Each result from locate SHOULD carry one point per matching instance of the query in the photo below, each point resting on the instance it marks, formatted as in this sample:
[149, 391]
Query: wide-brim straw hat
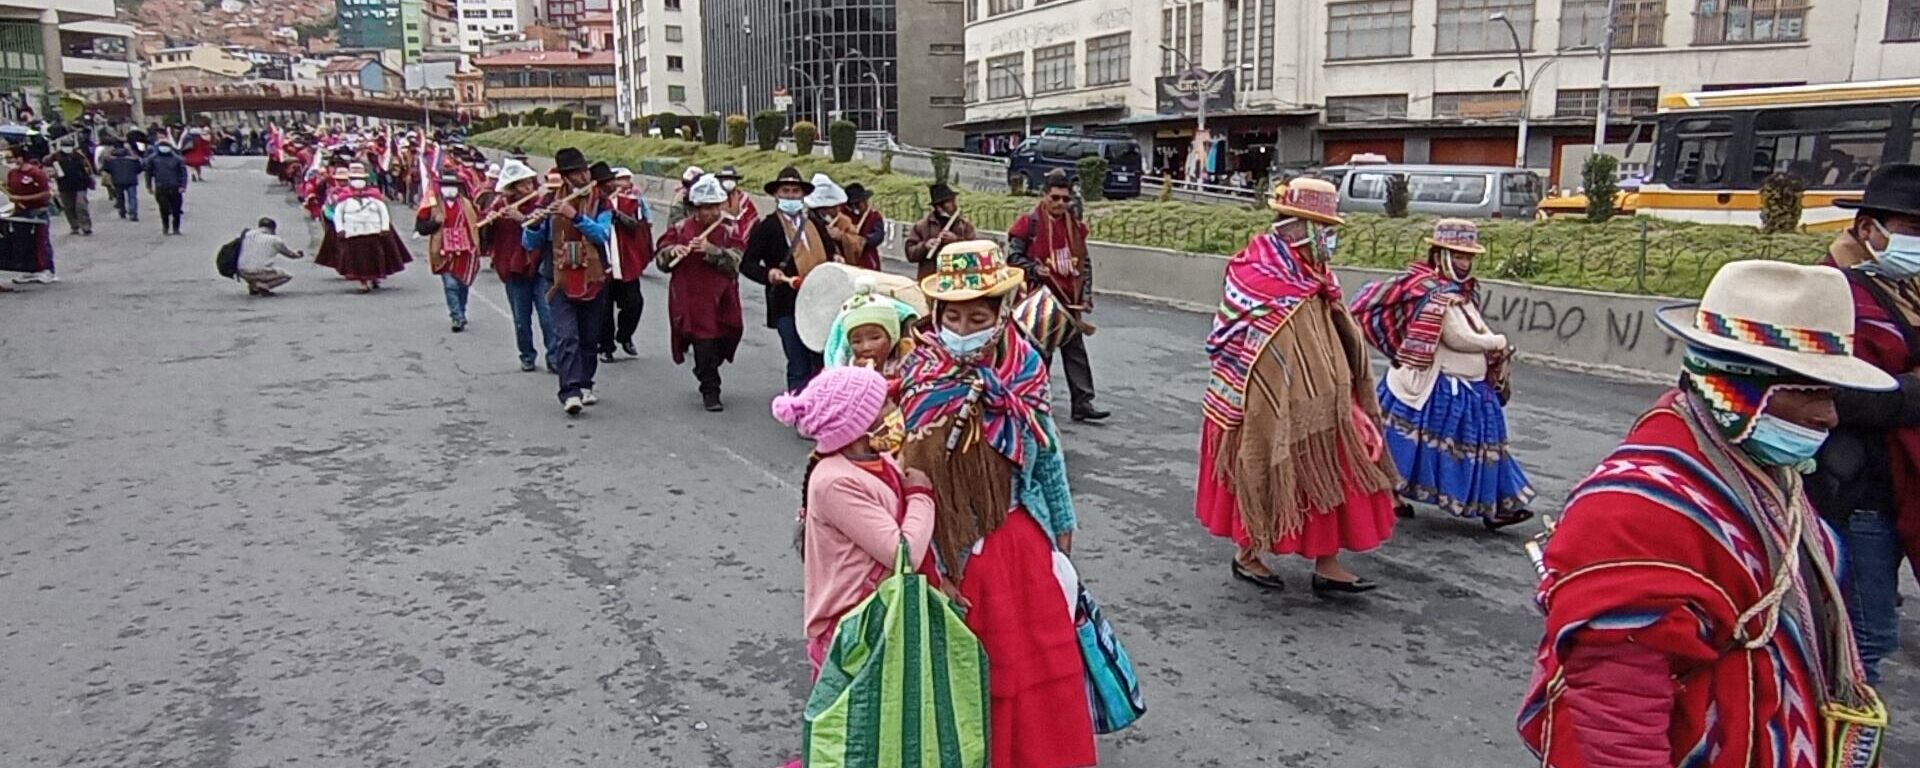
[1798, 318]
[1315, 200]
[1458, 235]
[972, 269]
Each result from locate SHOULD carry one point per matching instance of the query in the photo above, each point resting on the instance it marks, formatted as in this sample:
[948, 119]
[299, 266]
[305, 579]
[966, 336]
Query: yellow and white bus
[1713, 149]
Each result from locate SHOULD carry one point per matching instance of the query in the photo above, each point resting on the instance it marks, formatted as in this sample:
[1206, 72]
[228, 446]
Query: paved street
[322, 530]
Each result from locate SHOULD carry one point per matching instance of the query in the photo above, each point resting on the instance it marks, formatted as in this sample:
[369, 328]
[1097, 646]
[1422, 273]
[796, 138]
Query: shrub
[1602, 178]
[561, 118]
[886, 161]
[942, 167]
[537, 116]
[841, 135]
[804, 132]
[1780, 197]
[766, 129]
[737, 130]
[668, 123]
[638, 126]
[1016, 184]
[710, 129]
[1399, 196]
[1093, 177]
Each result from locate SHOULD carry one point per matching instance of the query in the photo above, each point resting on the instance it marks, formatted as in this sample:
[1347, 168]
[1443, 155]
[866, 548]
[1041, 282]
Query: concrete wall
[922, 74]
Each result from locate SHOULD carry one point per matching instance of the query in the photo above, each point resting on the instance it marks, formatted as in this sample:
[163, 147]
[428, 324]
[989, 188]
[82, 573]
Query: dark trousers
[1073, 357]
[126, 201]
[170, 200]
[575, 325]
[707, 358]
[802, 363]
[624, 305]
[79, 218]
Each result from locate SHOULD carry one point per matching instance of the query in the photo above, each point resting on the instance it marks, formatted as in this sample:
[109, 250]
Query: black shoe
[627, 347]
[1090, 413]
[606, 357]
[1269, 582]
[459, 325]
[1403, 511]
[712, 403]
[1325, 586]
[552, 369]
[1506, 519]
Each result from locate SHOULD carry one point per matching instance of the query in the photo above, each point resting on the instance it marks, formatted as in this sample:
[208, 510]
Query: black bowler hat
[727, 172]
[857, 193]
[569, 159]
[601, 172]
[1895, 189]
[941, 193]
[452, 179]
[790, 175]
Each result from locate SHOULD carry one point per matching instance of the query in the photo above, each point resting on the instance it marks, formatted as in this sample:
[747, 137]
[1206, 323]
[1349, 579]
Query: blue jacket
[166, 171]
[122, 168]
[539, 237]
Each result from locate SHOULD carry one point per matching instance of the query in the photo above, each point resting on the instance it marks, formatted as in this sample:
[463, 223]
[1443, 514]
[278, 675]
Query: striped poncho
[1401, 317]
[1265, 283]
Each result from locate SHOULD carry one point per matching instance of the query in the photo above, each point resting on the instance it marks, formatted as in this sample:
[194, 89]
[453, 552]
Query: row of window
[481, 13]
[676, 94]
[674, 64]
[1368, 29]
[1484, 105]
[1106, 61]
[549, 79]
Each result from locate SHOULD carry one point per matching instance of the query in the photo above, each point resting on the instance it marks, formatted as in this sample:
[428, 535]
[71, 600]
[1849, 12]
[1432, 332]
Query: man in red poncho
[633, 241]
[1050, 243]
[1868, 483]
[703, 255]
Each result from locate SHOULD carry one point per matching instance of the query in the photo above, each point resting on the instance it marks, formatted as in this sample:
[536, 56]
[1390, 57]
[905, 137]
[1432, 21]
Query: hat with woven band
[972, 269]
[1457, 235]
[1310, 199]
[1797, 318]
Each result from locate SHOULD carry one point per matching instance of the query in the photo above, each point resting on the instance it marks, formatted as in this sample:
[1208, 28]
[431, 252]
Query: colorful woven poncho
[1401, 317]
[1013, 392]
[1266, 282]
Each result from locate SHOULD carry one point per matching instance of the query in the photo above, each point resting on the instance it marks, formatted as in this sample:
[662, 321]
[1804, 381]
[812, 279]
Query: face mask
[357, 183]
[791, 207]
[1776, 442]
[967, 345]
[165, 150]
[1900, 260]
[729, 184]
[449, 192]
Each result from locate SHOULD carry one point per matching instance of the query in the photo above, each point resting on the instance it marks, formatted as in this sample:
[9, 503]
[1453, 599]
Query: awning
[1153, 119]
[1039, 116]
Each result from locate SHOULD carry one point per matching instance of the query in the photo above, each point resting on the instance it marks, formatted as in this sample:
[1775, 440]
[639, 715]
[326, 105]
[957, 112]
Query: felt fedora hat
[727, 172]
[1894, 189]
[941, 193]
[857, 192]
[601, 171]
[789, 175]
[1798, 318]
[569, 159]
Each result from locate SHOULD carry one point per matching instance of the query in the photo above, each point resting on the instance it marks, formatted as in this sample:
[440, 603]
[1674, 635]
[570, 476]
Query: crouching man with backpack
[260, 250]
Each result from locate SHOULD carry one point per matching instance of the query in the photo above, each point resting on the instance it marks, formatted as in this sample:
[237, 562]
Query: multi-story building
[370, 24]
[657, 48]
[59, 44]
[196, 65]
[566, 14]
[581, 81]
[1413, 80]
[482, 20]
[745, 54]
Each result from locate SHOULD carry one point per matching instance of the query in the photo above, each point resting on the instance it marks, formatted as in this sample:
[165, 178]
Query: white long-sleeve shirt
[1462, 355]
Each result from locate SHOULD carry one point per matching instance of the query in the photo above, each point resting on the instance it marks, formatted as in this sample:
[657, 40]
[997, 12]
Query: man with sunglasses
[1050, 243]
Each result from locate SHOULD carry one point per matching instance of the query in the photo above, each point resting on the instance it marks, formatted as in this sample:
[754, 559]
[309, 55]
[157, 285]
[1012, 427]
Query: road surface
[322, 530]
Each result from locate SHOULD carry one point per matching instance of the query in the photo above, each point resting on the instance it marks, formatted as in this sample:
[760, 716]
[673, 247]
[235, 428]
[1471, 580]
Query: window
[946, 49]
[1249, 40]
[1827, 147]
[1004, 75]
[1360, 109]
[1903, 20]
[1585, 102]
[1701, 146]
[471, 13]
[1477, 105]
[1637, 23]
[972, 93]
[673, 5]
[997, 7]
[673, 33]
[503, 13]
[1368, 186]
[945, 101]
[677, 94]
[1053, 68]
[1749, 21]
[676, 64]
[973, 10]
[1109, 58]
[1464, 26]
[1447, 188]
[1369, 29]
[1180, 31]
[1520, 190]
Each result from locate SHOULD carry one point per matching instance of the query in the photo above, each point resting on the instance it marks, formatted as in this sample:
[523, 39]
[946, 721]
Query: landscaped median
[1635, 256]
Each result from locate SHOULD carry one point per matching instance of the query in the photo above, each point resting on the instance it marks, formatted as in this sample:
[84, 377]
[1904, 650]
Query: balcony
[94, 53]
[545, 93]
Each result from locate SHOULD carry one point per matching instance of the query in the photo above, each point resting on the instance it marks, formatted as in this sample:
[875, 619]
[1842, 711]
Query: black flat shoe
[1269, 581]
[606, 357]
[1090, 413]
[1325, 586]
[627, 347]
[1403, 511]
[1506, 520]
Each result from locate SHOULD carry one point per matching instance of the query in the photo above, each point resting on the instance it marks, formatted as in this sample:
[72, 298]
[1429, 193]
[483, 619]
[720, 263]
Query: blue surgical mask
[791, 207]
[1900, 260]
[1776, 442]
[965, 345]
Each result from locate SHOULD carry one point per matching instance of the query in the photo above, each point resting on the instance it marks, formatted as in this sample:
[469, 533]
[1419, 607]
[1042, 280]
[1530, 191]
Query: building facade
[1413, 80]
[566, 14]
[482, 20]
[370, 24]
[657, 46]
[580, 81]
[745, 60]
[58, 44]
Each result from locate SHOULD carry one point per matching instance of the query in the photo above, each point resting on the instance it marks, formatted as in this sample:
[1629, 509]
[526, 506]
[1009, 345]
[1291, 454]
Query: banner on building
[1183, 93]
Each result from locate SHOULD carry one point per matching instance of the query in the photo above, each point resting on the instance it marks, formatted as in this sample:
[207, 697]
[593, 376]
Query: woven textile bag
[904, 684]
[1113, 689]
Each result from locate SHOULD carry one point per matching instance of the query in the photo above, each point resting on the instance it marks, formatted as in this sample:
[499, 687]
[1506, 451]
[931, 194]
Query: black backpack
[227, 260]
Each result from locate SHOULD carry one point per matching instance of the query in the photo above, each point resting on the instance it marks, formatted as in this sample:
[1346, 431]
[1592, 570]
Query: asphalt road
[322, 530]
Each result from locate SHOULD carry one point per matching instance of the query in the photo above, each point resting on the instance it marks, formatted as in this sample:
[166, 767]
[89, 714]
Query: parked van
[1055, 149]
[1466, 191]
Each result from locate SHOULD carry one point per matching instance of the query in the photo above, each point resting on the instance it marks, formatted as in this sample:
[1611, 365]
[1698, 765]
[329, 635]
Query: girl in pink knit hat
[859, 503]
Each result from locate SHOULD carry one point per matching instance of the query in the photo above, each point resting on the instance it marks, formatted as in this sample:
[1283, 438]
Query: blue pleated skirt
[1453, 454]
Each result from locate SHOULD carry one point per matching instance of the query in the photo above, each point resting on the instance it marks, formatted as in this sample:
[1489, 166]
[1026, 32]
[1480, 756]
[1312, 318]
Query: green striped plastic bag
[903, 686]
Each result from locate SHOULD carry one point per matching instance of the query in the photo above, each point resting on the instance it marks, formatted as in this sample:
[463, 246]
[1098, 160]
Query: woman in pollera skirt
[363, 246]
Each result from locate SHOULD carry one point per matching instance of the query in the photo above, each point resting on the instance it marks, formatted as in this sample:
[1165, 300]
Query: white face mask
[449, 192]
[729, 184]
[357, 183]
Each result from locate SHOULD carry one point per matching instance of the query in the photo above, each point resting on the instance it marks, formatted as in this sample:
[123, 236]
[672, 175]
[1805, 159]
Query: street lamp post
[879, 103]
[1606, 74]
[1027, 131]
[1526, 88]
[818, 96]
[1209, 79]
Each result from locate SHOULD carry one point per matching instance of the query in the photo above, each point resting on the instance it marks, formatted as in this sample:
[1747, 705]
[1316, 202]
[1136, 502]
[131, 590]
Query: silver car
[1464, 191]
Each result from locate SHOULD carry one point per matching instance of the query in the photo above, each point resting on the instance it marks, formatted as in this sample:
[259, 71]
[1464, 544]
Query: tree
[710, 129]
[1780, 200]
[942, 167]
[841, 135]
[1093, 177]
[737, 130]
[766, 129]
[537, 116]
[1602, 178]
[1399, 196]
[804, 132]
[638, 126]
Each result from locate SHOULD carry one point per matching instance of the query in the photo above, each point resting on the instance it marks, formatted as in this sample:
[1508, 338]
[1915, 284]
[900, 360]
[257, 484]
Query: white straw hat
[1799, 318]
[512, 171]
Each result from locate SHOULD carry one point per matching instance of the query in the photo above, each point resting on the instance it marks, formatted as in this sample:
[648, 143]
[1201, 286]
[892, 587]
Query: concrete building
[744, 58]
[581, 81]
[1414, 80]
[366, 74]
[481, 20]
[657, 47]
[370, 24]
[566, 14]
[200, 65]
[59, 44]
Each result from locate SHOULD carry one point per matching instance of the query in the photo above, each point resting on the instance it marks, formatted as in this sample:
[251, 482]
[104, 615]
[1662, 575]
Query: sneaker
[459, 325]
[572, 405]
[712, 403]
[37, 277]
[527, 366]
[587, 397]
[606, 357]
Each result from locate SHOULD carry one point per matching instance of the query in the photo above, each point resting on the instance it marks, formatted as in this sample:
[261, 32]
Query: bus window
[1828, 148]
[1702, 156]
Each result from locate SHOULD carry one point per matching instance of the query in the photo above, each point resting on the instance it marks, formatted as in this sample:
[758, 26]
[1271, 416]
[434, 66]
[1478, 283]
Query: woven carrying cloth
[1265, 284]
[1401, 317]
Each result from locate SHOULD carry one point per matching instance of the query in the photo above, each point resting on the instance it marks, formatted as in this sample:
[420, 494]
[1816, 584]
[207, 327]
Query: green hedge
[1678, 260]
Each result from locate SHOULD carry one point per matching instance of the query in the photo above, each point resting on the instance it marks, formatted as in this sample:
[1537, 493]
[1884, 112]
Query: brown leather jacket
[923, 242]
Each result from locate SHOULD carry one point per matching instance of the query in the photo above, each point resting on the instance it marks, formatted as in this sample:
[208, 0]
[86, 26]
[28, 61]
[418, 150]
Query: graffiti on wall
[1617, 330]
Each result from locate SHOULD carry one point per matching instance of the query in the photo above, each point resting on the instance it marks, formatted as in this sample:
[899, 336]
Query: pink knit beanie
[836, 408]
